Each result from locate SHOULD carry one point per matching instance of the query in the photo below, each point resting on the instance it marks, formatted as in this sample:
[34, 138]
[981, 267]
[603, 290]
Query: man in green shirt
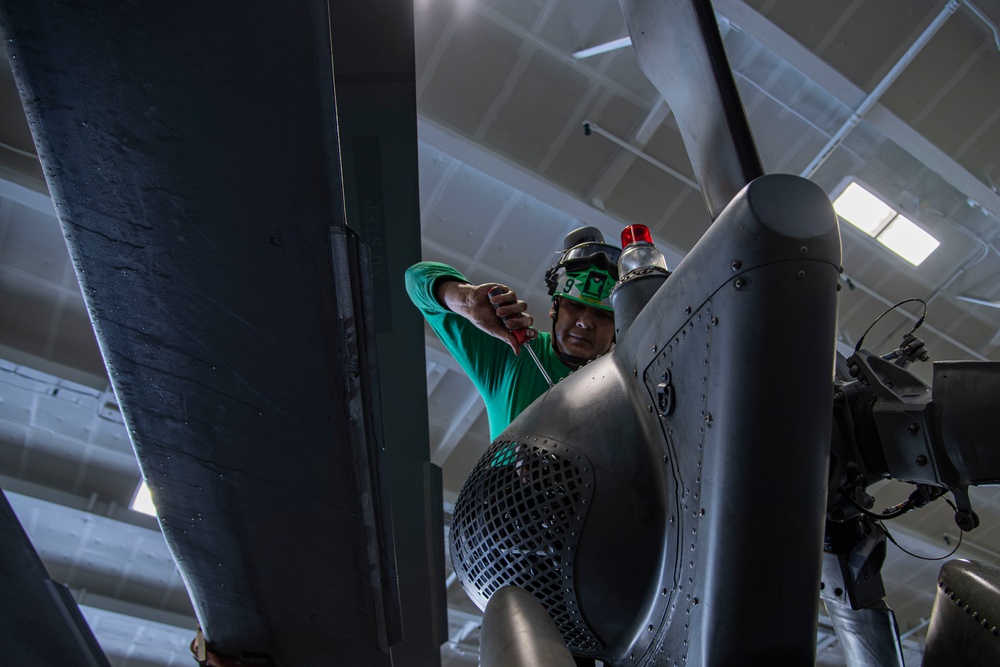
[472, 326]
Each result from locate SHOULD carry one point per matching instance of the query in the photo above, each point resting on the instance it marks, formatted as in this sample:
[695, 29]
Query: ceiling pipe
[591, 127]
[18, 151]
[980, 302]
[873, 97]
[985, 19]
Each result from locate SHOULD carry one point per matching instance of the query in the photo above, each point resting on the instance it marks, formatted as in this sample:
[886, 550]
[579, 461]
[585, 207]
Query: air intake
[518, 520]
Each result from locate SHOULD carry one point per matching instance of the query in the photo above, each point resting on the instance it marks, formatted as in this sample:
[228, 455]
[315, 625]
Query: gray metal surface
[679, 48]
[869, 637]
[193, 160]
[963, 624]
[502, 157]
[698, 494]
[965, 393]
[517, 632]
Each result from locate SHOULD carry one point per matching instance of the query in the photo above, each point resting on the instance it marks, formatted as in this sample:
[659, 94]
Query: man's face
[582, 332]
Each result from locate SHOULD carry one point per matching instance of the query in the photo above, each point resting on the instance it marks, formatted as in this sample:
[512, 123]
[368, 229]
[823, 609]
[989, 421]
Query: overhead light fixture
[907, 240]
[877, 219]
[863, 209]
[142, 501]
[613, 45]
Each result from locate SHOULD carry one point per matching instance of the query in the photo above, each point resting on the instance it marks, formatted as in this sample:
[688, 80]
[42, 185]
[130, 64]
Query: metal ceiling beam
[37, 201]
[519, 178]
[463, 419]
[93, 505]
[977, 192]
[129, 640]
[435, 372]
[139, 612]
[614, 172]
[872, 98]
[560, 54]
[636, 151]
[745, 18]
[437, 354]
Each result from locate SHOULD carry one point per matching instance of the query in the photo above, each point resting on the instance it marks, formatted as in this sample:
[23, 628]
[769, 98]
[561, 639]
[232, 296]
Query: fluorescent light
[908, 240]
[613, 45]
[875, 218]
[142, 501]
[863, 209]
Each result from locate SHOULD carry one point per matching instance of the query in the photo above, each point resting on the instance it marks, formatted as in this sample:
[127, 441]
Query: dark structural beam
[193, 156]
[40, 623]
[376, 112]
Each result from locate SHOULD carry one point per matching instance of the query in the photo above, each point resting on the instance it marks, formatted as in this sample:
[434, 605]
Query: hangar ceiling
[900, 95]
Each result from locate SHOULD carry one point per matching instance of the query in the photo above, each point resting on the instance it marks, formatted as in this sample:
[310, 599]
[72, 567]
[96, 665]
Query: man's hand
[474, 304]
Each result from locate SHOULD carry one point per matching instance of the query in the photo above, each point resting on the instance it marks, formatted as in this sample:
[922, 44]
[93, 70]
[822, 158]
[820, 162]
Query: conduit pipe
[873, 97]
[589, 127]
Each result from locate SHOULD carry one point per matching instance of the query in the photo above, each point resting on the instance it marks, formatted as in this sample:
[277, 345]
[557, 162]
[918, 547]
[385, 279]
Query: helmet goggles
[585, 273]
[585, 254]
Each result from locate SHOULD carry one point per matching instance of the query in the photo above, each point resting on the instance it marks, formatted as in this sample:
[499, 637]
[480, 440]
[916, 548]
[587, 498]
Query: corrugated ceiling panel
[528, 235]
[457, 468]
[467, 211]
[643, 194]
[786, 146]
[960, 118]
[74, 343]
[524, 13]
[463, 88]
[430, 18]
[580, 162]
[618, 116]
[573, 25]
[622, 67]
[525, 128]
[863, 45]
[933, 73]
[871, 40]
[31, 242]
[667, 146]
[687, 220]
[582, 159]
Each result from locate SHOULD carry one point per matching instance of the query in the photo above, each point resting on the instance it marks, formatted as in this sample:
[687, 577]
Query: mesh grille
[517, 521]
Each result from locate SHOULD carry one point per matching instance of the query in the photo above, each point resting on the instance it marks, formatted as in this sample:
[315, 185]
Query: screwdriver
[521, 336]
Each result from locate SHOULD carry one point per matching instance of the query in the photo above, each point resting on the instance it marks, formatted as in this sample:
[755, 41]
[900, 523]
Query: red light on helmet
[635, 234]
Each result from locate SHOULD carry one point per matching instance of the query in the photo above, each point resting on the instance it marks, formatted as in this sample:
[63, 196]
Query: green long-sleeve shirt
[507, 382]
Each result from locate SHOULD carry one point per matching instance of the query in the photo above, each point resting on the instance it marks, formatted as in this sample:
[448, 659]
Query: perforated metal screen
[517, 522]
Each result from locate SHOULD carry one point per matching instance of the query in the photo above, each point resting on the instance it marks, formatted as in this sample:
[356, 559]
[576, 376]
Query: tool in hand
[521, 336]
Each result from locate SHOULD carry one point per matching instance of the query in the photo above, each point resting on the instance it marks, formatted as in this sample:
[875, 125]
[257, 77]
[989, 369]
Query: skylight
[879, 220]
[908, 240]
[143, 501]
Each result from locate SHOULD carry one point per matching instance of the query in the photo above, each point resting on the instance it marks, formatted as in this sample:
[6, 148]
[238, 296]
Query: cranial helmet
[585, 270]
